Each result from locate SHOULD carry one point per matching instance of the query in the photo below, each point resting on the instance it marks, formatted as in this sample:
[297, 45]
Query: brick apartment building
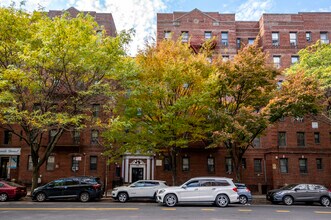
[77, 153]
[293, 150]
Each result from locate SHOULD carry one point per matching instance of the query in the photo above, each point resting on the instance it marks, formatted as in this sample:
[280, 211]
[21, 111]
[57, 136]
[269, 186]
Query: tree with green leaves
[315, 62]
[246, 100]
[51, 71]
[164, 102]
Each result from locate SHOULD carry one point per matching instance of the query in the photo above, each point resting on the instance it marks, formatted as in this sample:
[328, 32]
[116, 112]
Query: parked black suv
[84, 188]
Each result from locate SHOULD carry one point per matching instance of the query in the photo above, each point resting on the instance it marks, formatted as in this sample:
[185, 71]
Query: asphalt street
[149, 210]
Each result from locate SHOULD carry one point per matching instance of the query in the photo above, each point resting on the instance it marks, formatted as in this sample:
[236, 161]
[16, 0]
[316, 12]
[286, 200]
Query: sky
[141, 14]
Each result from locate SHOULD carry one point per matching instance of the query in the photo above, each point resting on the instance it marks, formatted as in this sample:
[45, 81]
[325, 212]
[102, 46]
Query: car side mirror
[184, 186]
[296, 189]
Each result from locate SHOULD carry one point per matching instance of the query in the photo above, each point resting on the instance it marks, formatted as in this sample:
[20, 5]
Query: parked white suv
[218, 190]
[139, 189]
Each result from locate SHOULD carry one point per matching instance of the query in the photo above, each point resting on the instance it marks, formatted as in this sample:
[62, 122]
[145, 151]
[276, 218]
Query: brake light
[235, 189]
[247, 190]
[96, 186]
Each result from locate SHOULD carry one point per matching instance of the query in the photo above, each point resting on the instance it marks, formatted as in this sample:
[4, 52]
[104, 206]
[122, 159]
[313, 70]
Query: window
[93, 162]
[167, 163]
[94, 136]
[251, 41]
[224, 38]
[185, 36]
[76, 136]
[185, 164]
[95, 110]
[293, 39]
[118, 171]
[281, 139]
[70, 182]
[243, 163]
[208, 35]
[258, 165]
[211, 164]
[228, 165]
[221, 183]
[225, 58]
[257, 142]
[319, 164]
[207, 183]
[303, 165]
[36, 107]
[194, 183]
[308, 37]
[7, 137]
[50, 164]
[30, 163]
[167, 35]
[238, 42]
[324, 38]
[279, 86]
[275, 38]
[317, 137]
[75, 163]
[294, 59]
[276, 60]
[301, 139]
[52, 134]
[283, 165]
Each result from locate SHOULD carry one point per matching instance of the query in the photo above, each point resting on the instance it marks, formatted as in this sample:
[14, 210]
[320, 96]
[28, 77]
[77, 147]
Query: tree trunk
[174, 167]
[237, 155]
[35, 176]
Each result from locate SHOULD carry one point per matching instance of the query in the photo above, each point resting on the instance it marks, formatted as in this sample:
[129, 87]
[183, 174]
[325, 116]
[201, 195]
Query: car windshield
[13, 184]
[289, 187]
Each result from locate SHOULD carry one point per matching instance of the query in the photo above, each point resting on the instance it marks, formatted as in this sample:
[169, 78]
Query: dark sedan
[308, 193]
[10, 190]
[81, 188]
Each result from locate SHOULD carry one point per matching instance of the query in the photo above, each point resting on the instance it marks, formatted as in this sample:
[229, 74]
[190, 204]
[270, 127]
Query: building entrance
[137, 174]
[4, 167]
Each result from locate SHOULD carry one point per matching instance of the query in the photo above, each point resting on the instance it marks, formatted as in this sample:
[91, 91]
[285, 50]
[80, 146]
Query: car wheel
[41, 197]
[84, 197]
[288, 200]
[122, 197]
[170, 200]
[3, 197]
[243, 199]
[222, 200]
[325, 201]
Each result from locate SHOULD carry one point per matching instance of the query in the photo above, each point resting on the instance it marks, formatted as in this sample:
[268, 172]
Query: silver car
[139, 189]
[308, 193]
[212, 190]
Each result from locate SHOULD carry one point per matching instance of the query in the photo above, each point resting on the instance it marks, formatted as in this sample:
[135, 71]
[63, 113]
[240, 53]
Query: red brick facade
[14, 154]
[291, 30]
[316, 132]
